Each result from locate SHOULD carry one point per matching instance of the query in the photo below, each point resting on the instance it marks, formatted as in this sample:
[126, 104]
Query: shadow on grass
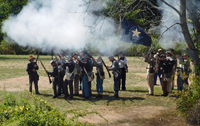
[137, 90]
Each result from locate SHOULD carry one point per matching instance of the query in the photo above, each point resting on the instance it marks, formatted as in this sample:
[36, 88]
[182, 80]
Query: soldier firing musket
[61, 71]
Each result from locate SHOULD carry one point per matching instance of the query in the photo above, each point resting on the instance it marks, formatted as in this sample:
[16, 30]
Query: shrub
[188, 103]
[22, 112]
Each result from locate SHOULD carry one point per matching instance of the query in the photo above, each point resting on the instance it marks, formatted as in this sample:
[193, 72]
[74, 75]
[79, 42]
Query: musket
[37, 56]
[103, 64]
[46, 72]
[106, 68]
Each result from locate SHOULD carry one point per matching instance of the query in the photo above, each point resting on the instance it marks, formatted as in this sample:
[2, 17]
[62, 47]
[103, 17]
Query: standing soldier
[81, 54]
[166, 65]
[33, 76]
[116, 74]
[123, 66]
[174, 66]
[69, 76]
[77, 74]
[183, 71]
[90, 73]
[100, 76]
[157, 57]
[61, 72]
[84, 63]
[54, 75]
[151, 70]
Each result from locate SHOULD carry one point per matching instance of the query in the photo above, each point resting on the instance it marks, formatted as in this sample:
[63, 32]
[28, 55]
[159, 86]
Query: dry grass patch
[22, 83]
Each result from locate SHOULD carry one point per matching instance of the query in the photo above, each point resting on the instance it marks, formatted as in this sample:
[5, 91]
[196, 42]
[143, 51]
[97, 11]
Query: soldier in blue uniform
[86, 67]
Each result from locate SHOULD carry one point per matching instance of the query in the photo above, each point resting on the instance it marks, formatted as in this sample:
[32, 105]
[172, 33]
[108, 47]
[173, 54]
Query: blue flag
[131, 32]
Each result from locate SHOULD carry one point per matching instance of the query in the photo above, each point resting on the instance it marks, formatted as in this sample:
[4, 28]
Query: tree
[188, 7]
[189, 11]
[8, 7]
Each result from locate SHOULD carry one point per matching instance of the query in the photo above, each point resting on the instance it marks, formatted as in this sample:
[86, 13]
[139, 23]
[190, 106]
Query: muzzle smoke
[63, 24]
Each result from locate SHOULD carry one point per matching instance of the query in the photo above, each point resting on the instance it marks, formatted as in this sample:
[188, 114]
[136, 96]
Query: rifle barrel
[46, 72]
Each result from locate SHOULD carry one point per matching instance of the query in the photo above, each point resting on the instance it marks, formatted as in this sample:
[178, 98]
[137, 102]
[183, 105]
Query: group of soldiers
[76, 72]
[164, 66]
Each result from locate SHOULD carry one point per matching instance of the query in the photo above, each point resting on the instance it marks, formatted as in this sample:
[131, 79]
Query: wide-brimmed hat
[31, 58]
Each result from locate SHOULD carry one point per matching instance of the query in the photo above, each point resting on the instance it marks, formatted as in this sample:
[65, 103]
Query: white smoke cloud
[60, 24]
[170, 17]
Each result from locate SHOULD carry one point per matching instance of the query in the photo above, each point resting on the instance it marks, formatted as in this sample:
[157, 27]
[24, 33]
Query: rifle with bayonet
[46, 72]
[102, 62]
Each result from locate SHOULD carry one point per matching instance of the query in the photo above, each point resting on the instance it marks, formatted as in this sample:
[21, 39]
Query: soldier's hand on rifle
[93, 59]
[107, 67]
[35, 65]
[34, 70]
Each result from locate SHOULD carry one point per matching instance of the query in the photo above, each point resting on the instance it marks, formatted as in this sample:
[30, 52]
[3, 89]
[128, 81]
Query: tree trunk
[191, 50]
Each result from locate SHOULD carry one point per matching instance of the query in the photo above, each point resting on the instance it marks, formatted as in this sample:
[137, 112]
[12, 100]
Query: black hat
[162, 55]
[121, 53]
[111, 56]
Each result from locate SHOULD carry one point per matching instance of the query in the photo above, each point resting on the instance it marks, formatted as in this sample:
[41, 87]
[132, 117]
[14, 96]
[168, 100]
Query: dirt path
[21, 84]
[128, 114]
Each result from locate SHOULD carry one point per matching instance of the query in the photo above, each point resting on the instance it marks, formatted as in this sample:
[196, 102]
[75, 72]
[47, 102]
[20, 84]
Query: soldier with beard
[61, 72]
[32, 68]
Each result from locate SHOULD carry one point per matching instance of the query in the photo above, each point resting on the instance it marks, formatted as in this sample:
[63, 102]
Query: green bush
[22, 112]
[188, 103]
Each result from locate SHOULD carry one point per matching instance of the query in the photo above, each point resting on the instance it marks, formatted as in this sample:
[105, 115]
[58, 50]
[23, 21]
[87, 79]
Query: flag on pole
[133, 33]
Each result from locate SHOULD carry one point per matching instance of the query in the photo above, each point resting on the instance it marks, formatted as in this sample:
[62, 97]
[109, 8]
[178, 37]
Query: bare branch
[171, 6]
[160, 8]
[165, 31]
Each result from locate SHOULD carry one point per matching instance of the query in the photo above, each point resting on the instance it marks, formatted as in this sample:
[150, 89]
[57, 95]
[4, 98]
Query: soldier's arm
[113, 67]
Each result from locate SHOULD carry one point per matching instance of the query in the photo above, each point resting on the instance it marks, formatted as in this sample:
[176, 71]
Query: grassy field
[132, 108]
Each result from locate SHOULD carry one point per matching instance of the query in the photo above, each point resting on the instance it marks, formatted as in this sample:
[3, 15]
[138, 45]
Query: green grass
[134, 96]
